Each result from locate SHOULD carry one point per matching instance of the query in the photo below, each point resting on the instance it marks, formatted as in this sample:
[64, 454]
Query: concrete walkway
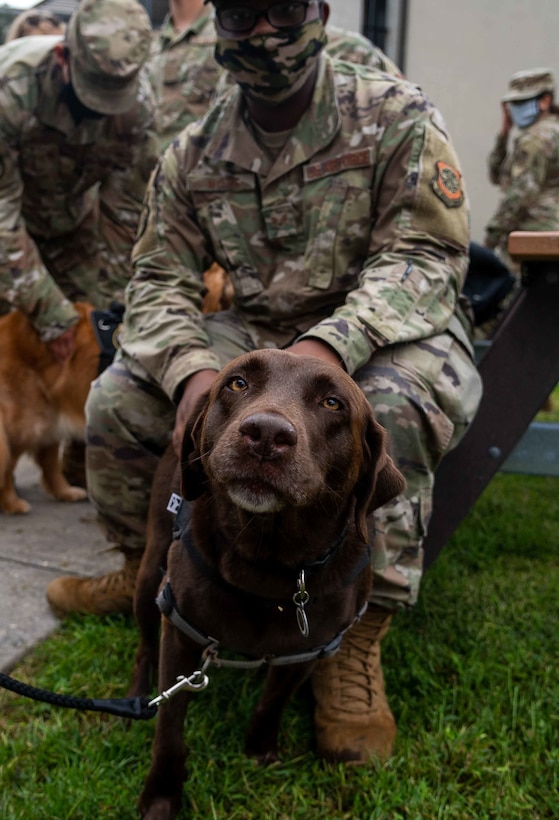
[53, 539]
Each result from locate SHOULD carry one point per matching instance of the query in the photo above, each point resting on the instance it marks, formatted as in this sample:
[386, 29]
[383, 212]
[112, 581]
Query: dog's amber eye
[237, 384]
[331, 403]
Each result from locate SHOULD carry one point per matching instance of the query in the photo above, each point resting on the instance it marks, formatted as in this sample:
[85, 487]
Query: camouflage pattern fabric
[528, 176]
[271, 67]
[354, 48]
[356, 235]
[184, 75]
[70, 195]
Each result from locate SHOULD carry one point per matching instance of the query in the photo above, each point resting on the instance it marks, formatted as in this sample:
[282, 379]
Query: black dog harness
[167, 604]
[198, 680]
[168, 607]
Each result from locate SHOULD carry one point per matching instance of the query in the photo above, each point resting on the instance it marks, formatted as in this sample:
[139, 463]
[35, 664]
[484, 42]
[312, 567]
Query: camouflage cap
[525, 85]
[109, 41]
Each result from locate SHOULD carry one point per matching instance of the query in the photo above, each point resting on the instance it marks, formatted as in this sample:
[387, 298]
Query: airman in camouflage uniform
[528, 173]
[332, 195]
[182, 68]
[186, 78]
[76, 150]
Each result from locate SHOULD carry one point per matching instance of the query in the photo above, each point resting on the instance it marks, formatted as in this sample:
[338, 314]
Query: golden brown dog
[219, 290]
[41, 403]
[283, 462]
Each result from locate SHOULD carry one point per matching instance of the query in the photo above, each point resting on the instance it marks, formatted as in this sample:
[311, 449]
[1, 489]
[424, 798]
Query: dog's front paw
[72, 494]
[160, 808]
[261, 737]
[263, 752]
[264, 758]
[15, 506]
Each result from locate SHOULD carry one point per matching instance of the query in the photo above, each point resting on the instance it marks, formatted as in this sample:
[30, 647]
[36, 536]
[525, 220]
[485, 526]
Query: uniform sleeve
[527, 175]
[24, 280]
[355, 48]
[496, 159]
[164, 296]
[121, 197]
[418, 249]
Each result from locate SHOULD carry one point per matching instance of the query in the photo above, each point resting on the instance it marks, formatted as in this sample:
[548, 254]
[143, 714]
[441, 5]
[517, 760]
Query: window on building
[385, 24]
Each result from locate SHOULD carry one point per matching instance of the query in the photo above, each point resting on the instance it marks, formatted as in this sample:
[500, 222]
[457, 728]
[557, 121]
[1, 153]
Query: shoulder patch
[447, 184]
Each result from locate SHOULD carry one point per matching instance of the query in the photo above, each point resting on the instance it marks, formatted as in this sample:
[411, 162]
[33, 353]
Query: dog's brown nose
[268, 435]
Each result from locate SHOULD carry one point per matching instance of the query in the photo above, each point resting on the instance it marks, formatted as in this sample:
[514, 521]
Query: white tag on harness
[173, 505]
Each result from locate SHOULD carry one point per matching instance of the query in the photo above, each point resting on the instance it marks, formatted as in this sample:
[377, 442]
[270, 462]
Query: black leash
[133, 708]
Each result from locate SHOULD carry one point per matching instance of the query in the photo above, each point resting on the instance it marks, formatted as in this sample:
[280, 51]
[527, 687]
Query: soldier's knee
[106, 392]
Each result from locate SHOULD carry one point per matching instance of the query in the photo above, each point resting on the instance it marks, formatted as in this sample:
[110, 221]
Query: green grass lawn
[472, 677]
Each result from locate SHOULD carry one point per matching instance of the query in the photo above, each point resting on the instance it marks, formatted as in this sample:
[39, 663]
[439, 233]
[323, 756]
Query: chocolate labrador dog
[283, 462]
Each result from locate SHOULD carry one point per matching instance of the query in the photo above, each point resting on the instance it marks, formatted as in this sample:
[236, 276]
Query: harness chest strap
[167, 605]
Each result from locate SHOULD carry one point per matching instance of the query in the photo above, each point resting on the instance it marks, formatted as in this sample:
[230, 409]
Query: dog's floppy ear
[381, 481]
[193, 477]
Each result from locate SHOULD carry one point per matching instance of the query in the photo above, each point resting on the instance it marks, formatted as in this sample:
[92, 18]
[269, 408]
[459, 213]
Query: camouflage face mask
[271, 67]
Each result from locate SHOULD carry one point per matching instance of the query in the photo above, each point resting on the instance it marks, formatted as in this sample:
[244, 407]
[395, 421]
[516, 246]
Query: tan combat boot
[353, 721]
[110, 593]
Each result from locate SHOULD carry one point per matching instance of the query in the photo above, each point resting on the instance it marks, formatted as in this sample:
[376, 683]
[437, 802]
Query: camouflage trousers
[424, 394]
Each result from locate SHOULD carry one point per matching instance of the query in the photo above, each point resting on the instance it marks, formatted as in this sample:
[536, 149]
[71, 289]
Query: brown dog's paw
[264, 759]
[15, 506]
[72, 494]
[62, 491]
[262, 752]
[161, 808]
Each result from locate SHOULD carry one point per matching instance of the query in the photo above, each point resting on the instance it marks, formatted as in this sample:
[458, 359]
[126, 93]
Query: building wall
[348, 15]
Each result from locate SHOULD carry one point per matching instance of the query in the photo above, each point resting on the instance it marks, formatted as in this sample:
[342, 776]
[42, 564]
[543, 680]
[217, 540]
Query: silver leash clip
[193, 683]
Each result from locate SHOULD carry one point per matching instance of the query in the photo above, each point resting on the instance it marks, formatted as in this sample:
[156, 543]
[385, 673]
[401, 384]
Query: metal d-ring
[300, 599]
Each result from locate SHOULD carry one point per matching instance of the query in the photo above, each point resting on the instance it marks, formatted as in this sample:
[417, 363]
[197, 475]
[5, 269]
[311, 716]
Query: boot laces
[120, 582]
[359, 673]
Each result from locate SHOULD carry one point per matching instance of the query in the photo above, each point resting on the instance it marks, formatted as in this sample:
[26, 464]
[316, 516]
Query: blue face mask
[524, 113]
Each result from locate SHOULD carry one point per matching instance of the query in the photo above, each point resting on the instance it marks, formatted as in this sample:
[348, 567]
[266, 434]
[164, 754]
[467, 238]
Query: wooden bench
[519, 370]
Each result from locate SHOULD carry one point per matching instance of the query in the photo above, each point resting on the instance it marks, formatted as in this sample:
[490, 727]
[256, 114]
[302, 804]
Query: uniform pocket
[339, 229]
[231, 239]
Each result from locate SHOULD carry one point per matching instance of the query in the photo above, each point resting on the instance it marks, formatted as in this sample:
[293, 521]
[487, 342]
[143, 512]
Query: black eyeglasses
[240, 19]
[36, 19]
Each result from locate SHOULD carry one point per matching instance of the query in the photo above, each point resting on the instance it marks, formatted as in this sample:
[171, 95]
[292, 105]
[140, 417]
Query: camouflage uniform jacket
[356, 235]
[529, 180]
[184, 74]
[59, 179]
[355, 48]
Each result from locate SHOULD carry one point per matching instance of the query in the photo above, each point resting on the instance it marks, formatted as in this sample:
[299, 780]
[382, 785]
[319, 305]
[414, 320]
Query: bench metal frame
[519, 371]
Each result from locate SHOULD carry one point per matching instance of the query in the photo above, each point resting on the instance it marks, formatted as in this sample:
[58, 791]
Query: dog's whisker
[243, 529]
[198, 458]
